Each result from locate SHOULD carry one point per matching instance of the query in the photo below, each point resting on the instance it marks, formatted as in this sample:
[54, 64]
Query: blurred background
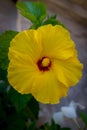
[73, 14]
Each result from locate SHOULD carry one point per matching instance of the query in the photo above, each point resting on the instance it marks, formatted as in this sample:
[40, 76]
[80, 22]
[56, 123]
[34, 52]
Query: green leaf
[33, 108]
[53, 126]
[52, 20]
[2, 112]
[3, 74]
[83, 117]
[5, 39]
[53, 16]
[35, 25]
[34, 11]
[16, 122]
[2, 87]
[19, 101]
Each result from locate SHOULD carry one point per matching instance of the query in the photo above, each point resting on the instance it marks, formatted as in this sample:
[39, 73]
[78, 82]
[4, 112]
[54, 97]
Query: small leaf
[19, 101]
[83, 117]
[52, 20]
[34, 11]
[5, 39]
[53, 16]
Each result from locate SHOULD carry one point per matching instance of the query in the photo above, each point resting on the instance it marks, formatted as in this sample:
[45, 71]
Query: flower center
[44, 64]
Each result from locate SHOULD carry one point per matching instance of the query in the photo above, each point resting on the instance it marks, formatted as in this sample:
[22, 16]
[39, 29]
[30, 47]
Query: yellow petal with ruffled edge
[27, 42]
[56, 42]
[68, 72]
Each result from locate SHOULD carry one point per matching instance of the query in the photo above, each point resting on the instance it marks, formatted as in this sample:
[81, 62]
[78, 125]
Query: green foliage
[16, 109]
[52, 126]
[32, 126]
[3, 86]
[19, 100]
[33, 108]
[83, 117]
[9, 118]
[34, 11]
[52, 20]
[3, 74]
[16, 122]
[5, 39]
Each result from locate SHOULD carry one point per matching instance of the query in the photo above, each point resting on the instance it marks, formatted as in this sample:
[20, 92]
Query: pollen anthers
[44, 64]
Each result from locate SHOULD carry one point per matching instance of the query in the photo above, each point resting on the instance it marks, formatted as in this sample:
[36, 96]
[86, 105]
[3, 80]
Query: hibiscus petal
[20, 71]
[56, 42]
[47, 89]
[69, 71]
[27, 42]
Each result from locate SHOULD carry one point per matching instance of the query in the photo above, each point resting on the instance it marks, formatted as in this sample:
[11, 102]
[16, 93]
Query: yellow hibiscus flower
[44, 62]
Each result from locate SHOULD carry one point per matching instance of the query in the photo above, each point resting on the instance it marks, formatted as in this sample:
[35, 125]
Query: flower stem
[77, 124]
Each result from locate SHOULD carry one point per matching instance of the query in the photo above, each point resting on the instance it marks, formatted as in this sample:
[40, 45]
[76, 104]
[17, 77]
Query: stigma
[44, 64]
